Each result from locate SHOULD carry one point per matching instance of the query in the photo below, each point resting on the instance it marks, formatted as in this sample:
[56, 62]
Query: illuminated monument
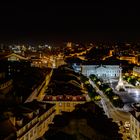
[120, 86]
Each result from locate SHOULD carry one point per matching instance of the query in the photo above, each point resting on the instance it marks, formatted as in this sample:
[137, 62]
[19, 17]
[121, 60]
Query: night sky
[86, 21]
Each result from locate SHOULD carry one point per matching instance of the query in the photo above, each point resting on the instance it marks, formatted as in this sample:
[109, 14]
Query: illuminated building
[36, 63]
[135, 122]
[104, 71]
[131, 58]
[65, 102]
[136, 71]
[69, 45]
[31, 120]
[15, 57]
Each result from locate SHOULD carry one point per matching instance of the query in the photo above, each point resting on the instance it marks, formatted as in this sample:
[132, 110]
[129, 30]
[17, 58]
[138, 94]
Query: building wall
[29, 131]
[6, 84]
[66, 106]
[2, 75]
[44, 121]
[106, 71]
[130, 59]
[134, 128]
[37, 126]
[6, 87]
[136, 71]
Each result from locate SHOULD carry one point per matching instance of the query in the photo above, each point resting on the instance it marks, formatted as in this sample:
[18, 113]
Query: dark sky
[38, 21]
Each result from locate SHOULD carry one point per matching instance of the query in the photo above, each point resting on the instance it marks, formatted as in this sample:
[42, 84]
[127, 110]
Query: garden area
[131, 79]
[105, 88]
[88, 87]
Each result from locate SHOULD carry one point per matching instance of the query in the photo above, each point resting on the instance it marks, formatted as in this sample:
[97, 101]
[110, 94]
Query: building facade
[6, 83]
[65, 103]
[136, 71]
[6, 86]
[132, 59]
[31, 120]
[135, 122]
[104, 71]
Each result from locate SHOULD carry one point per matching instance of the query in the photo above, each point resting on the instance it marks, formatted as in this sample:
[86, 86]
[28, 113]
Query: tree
[86, 122]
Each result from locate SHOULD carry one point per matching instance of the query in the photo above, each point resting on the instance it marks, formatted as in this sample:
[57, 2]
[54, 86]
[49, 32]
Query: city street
[110, 110]
[127, 97]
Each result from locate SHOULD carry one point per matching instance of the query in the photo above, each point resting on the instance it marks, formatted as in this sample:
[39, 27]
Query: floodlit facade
[136, 71]
[131, 58]
[15, 57]
[135, 123]
[104, 71]
[32, 119]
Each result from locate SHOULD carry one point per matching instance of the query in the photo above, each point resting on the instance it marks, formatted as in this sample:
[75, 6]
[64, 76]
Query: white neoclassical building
[104, 71]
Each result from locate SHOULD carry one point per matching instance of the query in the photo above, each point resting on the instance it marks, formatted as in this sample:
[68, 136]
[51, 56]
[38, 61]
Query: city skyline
[95, 84]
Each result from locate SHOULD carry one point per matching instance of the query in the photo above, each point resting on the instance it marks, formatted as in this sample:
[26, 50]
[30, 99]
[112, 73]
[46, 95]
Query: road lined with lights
[110, 110]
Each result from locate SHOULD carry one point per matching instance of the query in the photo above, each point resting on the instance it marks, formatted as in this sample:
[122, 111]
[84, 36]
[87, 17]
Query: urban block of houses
[28, 121]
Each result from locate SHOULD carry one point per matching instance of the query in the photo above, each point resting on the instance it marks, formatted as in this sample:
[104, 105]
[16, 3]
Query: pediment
[15, 57]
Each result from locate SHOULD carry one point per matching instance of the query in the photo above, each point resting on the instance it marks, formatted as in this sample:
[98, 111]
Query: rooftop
[30, 111]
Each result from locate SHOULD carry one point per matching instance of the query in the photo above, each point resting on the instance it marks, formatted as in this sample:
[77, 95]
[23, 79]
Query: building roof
[38, 105]
[33, 108]
[17, 55]
[5, 56]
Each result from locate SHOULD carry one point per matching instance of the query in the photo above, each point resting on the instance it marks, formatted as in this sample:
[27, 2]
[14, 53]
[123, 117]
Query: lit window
[68, 104]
